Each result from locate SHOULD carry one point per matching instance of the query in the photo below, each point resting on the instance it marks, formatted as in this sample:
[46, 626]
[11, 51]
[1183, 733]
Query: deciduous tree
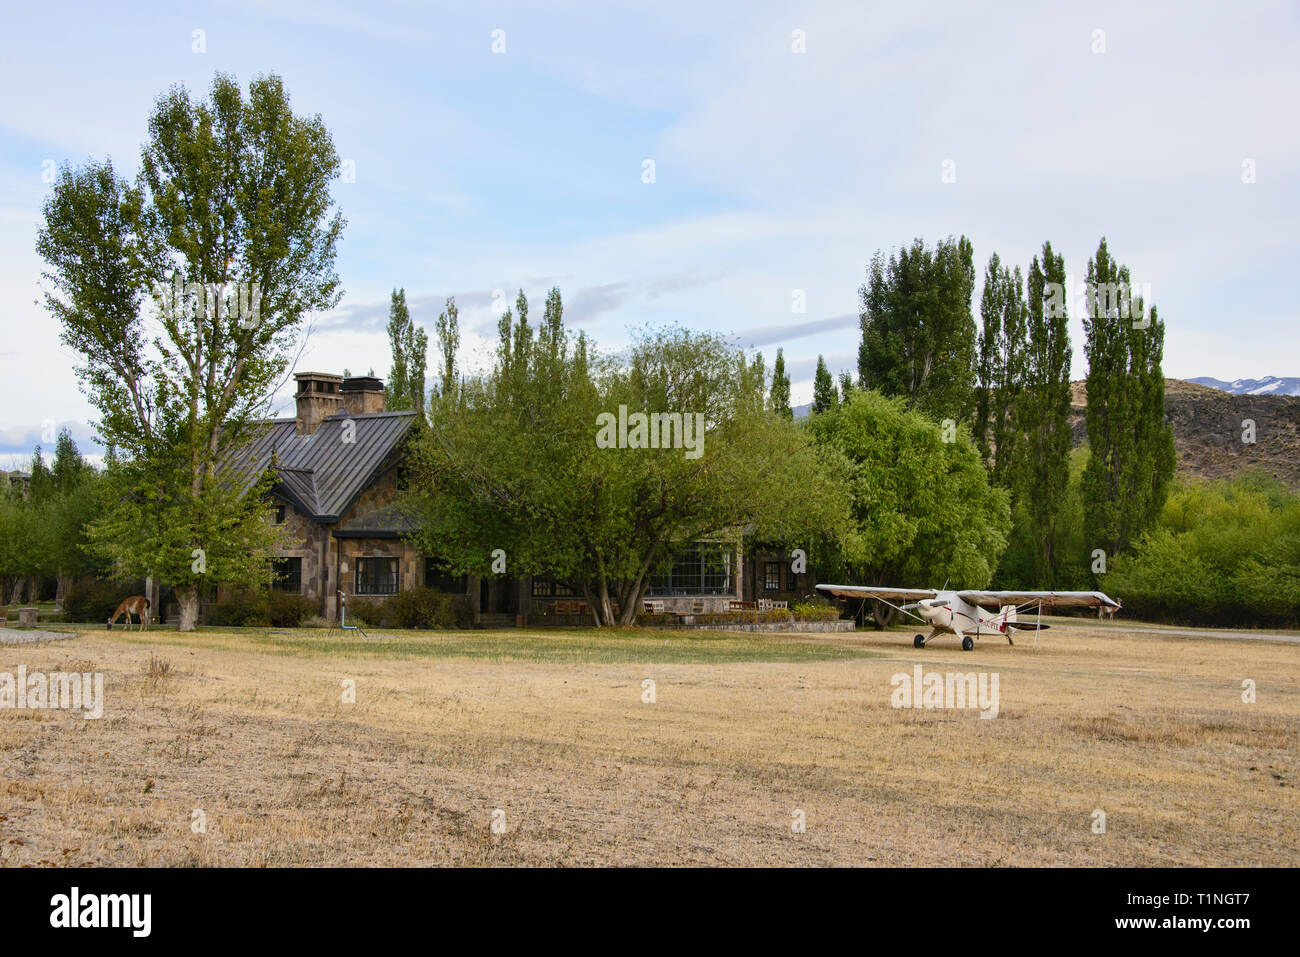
[231, 229]
[1131, 446]
[918, 333]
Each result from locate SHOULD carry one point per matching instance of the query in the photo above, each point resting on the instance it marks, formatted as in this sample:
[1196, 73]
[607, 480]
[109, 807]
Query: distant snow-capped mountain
[1269, 385]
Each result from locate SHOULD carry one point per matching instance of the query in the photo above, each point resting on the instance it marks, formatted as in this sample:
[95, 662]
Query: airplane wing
[1049, 599]
[878, 591]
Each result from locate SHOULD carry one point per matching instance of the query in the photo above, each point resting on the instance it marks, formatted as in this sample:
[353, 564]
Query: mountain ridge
[1269, 385]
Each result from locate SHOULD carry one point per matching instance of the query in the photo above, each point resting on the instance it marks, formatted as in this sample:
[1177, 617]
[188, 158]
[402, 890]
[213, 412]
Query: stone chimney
[318, 398]
[362, 395]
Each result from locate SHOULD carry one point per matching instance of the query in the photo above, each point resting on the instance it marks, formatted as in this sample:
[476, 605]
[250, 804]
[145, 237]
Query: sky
[500, 146]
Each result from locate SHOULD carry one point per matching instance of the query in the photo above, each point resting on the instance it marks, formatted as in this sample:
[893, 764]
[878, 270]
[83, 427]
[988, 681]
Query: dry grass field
[250, 728]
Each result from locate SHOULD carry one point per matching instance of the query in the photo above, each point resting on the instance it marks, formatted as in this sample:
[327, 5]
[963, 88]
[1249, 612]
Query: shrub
[423, 608]
[287, 610]
[814, 611]
[95, 600]
[241, 608]
[420, 608]
[1223, 553]
[364, 612]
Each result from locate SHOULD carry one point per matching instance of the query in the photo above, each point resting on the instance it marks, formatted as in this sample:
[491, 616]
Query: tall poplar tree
[780, 395]
[1042, 416]
[1131, 447]
[409, 343]
[1001, 368]
[397, 393]
[825, 397]
[447, 329]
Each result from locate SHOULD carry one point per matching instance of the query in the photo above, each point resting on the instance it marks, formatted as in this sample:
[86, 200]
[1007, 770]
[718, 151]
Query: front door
[498, 596]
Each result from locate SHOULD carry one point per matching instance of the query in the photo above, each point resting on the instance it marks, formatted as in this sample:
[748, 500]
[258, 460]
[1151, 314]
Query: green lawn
[575, 645]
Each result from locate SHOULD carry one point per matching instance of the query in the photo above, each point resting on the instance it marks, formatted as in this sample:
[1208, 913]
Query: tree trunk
[606, 608]
[64, 582]
[882, 615]
[16, 597]
[590, 595]
[637, 588]
[188, 598]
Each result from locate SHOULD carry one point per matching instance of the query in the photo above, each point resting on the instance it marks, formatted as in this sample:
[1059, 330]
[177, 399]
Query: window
[771, 576]
[376, 576]
[549, 588]
[279, 515]
[436, 576]
[286, 575]
[703, 568]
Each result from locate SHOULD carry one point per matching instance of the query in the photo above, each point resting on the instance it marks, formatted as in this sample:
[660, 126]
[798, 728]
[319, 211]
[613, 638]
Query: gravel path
[11, 636]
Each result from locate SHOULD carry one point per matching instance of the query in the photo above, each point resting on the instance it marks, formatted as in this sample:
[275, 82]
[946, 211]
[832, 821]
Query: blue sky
[775, 171]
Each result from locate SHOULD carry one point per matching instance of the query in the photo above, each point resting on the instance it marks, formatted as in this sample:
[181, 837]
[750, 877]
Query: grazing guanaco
[136, 605]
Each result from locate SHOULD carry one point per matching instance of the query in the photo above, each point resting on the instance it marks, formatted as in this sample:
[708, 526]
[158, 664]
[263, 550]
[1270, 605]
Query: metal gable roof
[321, 472]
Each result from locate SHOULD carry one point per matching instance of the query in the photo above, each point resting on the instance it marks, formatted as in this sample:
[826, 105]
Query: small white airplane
[970, 614]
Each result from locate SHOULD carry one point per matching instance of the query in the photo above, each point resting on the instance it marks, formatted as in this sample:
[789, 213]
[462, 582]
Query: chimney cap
[362, 383]
[328, 376]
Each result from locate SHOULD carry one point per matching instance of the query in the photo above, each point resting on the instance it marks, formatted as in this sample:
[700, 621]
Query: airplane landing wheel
[918, 642]
[967, 643]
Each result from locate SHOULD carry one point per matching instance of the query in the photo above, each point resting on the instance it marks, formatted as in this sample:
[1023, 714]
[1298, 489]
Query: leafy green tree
[918, 333]
[1024, 564]
[68, 514]
[759, 371]
[1000, 381]
[922, 509]
[1131, 446]
[780, 394]
[847, 386]
[824, 395]
[447, 329]
[1221, 552]
[31, 560]
[1042, 421]
[518, 464]
[231, 227]
[22, 546]
[397, 393]
[41, 484]
[409, 344]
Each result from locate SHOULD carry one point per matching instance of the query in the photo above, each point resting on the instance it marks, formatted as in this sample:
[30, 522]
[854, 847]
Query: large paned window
[286, 575]
[376, 576]
[704, 568]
